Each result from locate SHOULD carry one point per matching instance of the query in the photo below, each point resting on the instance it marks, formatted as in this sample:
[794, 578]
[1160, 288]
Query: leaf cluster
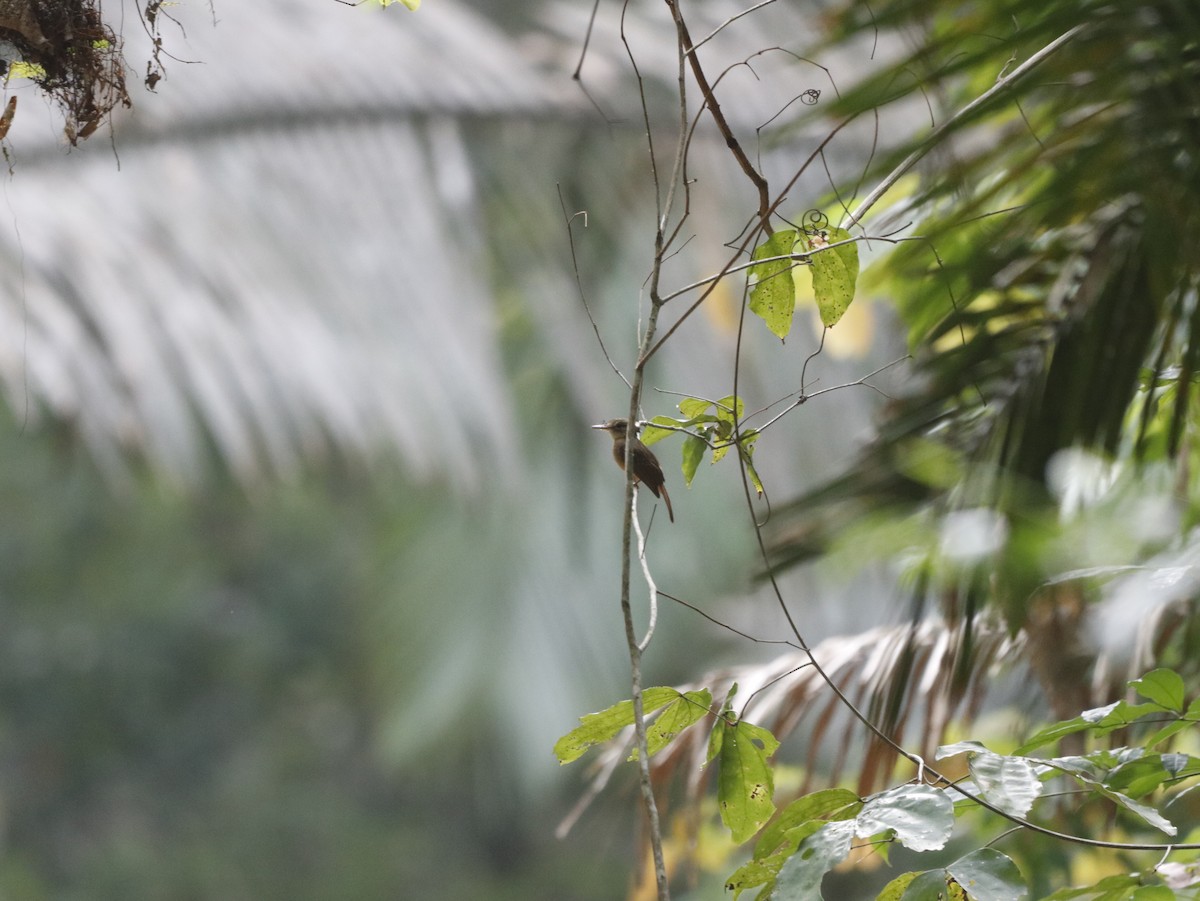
[709, 426]
[800, 843]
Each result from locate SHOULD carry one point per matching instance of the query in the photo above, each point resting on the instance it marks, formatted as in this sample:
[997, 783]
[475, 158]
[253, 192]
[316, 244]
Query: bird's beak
[600, 425]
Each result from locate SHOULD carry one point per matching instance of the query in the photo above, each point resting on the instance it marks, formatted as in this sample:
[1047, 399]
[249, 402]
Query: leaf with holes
[801, 876]
[988, 875]
[834, 273]
[746, 787]
[604, 725]
[772, 288]
[685, 710]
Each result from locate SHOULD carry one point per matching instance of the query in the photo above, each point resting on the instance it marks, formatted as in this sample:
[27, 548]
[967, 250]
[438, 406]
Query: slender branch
[568, 219]
[726, 626]
[712, 34]
[648, 576]
[710, 100]
[637, 648]
[804, 397]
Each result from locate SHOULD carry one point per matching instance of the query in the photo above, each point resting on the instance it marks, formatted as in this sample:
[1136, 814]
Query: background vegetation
[308, 555]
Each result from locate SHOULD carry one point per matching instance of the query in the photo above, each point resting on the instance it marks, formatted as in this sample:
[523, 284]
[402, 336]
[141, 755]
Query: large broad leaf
[746, 787]
[834, 273]
[1189, 718]
[1151, 772]
[1094, 776]
[772, 288]
[931, 886]
[983, 875]
[800, 878]
[829, 803]
[693, 453]
[685, 710]
[789, 835]
[1120, 886]
[921, 816]
[1162, 686]
[988, 875]
[895, 889]
[1011, 783]
[1100, 720]
[604, 725]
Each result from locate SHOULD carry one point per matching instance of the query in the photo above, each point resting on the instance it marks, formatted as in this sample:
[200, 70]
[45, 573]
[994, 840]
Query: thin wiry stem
[569, 219]
[714, 108]
[648, 576]
[636, 647]
[712, 34]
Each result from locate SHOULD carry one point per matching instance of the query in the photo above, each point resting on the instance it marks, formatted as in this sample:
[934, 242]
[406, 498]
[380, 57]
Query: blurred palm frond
[1055, 278]
[907, 679]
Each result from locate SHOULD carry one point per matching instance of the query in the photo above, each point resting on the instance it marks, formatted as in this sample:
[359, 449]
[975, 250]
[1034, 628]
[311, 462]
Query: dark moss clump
[79, 57]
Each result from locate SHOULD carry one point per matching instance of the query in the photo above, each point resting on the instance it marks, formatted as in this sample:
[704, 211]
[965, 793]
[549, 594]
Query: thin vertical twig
[636, 647]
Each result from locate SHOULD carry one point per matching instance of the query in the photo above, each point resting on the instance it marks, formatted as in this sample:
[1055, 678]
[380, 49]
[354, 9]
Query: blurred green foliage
[194, 696]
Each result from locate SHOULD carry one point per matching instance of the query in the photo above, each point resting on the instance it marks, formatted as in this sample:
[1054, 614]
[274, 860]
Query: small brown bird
[645, 465]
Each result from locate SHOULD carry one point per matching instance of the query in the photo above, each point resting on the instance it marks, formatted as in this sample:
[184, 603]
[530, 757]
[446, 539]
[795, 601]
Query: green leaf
[1119, 886]
[772, 288]
[1147, 813]
[1152, 893]
[1176, 764]
[746, 785]
[604, 725]
[1100, 720]
[694, 407]
[921, 816]
[685, 710]
[729, 413]
[722, 446]
[1162, 686]
[716, 739]
[801, 876]
[753, 874]
[1090, 773]
[829, 803]
[1117, 716]
[928, 886]
[1011, 783]
[747, 449]
[693, 452]
[652, 434]
[895, 889]
[1190, 718]
[834, 274]
[1141, 776]
[929, 462]
[988, 875]
[959, 747]
[764, 870]
[730, 408]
